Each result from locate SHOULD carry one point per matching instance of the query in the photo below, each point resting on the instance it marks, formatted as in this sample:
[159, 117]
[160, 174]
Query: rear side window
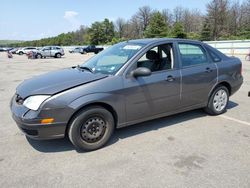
[55, 48]
[213, 55]
[192, 54]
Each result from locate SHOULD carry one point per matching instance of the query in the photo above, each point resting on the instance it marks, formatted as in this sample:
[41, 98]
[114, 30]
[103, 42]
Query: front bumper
[28, 122]
[41, 131]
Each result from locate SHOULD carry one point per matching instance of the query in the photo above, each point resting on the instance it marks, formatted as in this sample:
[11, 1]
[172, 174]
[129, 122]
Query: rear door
[54, 50]
[199, 74]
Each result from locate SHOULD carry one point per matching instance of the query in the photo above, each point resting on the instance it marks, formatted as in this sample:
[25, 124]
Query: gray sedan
[76, 50]
[128, 83]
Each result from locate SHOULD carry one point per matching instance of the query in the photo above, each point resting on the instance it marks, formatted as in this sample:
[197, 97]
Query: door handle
[170, 78]
[208, 70]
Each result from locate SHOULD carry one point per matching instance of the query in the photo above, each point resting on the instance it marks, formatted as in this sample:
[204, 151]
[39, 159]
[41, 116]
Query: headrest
[152, 55]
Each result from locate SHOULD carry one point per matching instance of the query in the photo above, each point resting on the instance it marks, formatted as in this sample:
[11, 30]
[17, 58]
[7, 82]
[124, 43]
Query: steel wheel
[93, 129]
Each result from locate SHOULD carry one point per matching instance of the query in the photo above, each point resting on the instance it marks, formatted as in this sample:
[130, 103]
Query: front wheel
[91, 128]
[39, 56]
[218, 101]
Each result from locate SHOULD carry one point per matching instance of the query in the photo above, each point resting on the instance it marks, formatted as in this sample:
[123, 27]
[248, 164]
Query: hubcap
[220, 100]
[93, 129]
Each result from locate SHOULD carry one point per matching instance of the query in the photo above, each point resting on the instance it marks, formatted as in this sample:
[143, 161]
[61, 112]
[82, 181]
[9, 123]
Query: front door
[46, 52]
[157, 94]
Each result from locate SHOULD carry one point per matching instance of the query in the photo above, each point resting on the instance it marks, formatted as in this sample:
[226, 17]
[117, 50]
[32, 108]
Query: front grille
[19, 100]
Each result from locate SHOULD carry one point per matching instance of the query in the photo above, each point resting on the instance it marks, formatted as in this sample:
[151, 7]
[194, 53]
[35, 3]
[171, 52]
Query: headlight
[34, 102]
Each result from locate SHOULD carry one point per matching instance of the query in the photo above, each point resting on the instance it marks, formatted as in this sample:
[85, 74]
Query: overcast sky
[29, 19]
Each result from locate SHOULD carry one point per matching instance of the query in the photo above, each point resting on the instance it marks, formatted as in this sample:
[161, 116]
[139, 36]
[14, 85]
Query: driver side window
[158, 58]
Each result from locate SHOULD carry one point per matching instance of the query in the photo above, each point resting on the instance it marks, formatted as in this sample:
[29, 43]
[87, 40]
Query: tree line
[224, 19]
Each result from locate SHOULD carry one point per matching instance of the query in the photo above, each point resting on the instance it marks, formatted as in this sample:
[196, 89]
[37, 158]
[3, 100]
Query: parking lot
[190, 149]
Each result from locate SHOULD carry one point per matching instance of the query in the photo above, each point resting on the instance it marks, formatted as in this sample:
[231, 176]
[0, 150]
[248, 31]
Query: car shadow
[231, 105]
[51, 146]
[61, 145]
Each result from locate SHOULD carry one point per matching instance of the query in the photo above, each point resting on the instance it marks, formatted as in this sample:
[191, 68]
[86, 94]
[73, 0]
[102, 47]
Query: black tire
[217, 103]
[20, 53]
[247, 58]
[58, 55]
[91, 128]
[39, 56]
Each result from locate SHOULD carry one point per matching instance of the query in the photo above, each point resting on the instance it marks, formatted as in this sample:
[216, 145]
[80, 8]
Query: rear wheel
[20, 53]
[58, 55]
[91, 128]
[218, 101]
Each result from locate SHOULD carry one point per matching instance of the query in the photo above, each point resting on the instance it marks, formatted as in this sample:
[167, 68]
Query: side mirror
[141, 71]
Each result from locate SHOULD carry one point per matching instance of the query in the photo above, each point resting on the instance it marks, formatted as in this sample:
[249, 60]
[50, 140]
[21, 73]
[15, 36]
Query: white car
[25, 50]
[50, 51]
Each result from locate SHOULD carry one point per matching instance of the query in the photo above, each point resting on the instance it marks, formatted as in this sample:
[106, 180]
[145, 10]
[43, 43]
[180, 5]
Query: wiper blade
[85, 68]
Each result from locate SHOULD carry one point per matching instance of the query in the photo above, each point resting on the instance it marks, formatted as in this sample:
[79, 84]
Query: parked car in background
[129, 83]
[25, 50]
[50, 51]
[76, 50]
[14, 50]
[5, 49]
[92, 49]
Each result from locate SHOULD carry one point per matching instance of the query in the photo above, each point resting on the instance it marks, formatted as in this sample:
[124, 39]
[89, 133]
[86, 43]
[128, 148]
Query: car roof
[156, 40]
[52, 46]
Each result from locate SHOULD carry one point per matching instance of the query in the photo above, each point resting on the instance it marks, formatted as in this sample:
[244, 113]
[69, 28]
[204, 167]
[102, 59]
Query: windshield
[112, 59]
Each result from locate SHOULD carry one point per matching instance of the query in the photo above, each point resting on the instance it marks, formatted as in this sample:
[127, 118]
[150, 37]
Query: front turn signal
[47, 121]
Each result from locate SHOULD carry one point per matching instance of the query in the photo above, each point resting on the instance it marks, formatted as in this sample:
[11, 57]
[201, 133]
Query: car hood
[56, 81]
